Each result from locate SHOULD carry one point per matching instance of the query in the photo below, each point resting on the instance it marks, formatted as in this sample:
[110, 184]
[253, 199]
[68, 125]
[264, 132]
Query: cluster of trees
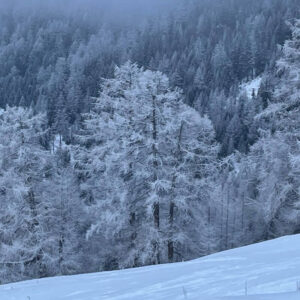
[40, 215]
[261, 188]
[139, 171]
[53, 57]
[129, 191]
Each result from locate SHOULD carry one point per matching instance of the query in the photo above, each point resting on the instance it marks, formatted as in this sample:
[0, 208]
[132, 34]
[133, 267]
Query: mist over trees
[51, 51]
[127, 138]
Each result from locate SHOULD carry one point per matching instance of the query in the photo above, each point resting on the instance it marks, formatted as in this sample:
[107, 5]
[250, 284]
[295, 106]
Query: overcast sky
[121, 10]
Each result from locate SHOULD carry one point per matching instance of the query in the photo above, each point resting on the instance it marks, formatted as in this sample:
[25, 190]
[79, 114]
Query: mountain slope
[271, 267]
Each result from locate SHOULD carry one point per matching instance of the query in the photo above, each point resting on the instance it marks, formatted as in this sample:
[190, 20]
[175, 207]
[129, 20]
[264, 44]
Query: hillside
[141, 133]
[271, 270]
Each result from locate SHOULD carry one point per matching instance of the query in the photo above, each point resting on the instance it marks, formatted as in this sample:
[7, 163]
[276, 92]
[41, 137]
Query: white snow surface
[271, 270]
[250, 86]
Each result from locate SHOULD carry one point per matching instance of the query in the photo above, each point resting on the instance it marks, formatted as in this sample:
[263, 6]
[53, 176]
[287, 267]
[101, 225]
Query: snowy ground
[269, 267]
[251, 86]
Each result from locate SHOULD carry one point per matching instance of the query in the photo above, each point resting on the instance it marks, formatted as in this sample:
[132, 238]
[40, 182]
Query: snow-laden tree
[192, 209]
[23, 165]
[259, 192]
[270, 158]
[63, 216]
[275, 154]
[145, 162]
[40, 215]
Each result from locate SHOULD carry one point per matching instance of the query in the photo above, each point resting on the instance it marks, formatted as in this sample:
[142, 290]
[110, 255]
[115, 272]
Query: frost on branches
[147, 169]
[39, 208]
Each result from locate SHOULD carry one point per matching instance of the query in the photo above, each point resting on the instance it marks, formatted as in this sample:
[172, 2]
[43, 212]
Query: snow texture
[269, 270]
[251, 86]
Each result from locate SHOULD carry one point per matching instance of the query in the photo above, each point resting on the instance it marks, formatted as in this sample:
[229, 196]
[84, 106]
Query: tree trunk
[172, 204]
[156, 206]
[170, 242]
[33, 229]
[61, 251]
[227, 219]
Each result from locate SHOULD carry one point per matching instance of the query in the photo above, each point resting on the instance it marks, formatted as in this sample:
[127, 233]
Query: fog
[116, 11]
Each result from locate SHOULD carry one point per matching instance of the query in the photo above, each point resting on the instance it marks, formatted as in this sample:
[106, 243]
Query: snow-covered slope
[251, 87]
[265, 268]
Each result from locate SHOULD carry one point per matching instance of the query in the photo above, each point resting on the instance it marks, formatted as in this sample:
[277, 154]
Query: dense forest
[133, 135]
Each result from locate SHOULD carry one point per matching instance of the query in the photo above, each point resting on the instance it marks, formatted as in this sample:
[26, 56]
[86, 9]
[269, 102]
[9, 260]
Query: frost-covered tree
[282, 117]
[140, 180]
[63, 216]
[272, 181]
[62, 54]
[41, 216]
[192, 208]
[152, 155]
[23, 166]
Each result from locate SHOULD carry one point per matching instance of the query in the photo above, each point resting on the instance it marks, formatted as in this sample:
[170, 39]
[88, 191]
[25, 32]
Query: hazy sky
[112, 9]
[118, 5]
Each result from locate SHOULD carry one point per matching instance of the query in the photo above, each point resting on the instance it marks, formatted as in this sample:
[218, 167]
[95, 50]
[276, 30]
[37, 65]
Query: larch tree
[24, 164]
[151, 152]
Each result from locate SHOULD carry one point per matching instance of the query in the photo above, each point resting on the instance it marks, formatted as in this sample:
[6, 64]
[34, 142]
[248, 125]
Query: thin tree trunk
[156, 206]
[227, 219]
[172, 204]
[133, 235]
[222, 219]
[209, 228]
[60, 252]
[33, 229]
[243, 212]
[61, 241]
[233, 227]
[171, 242]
